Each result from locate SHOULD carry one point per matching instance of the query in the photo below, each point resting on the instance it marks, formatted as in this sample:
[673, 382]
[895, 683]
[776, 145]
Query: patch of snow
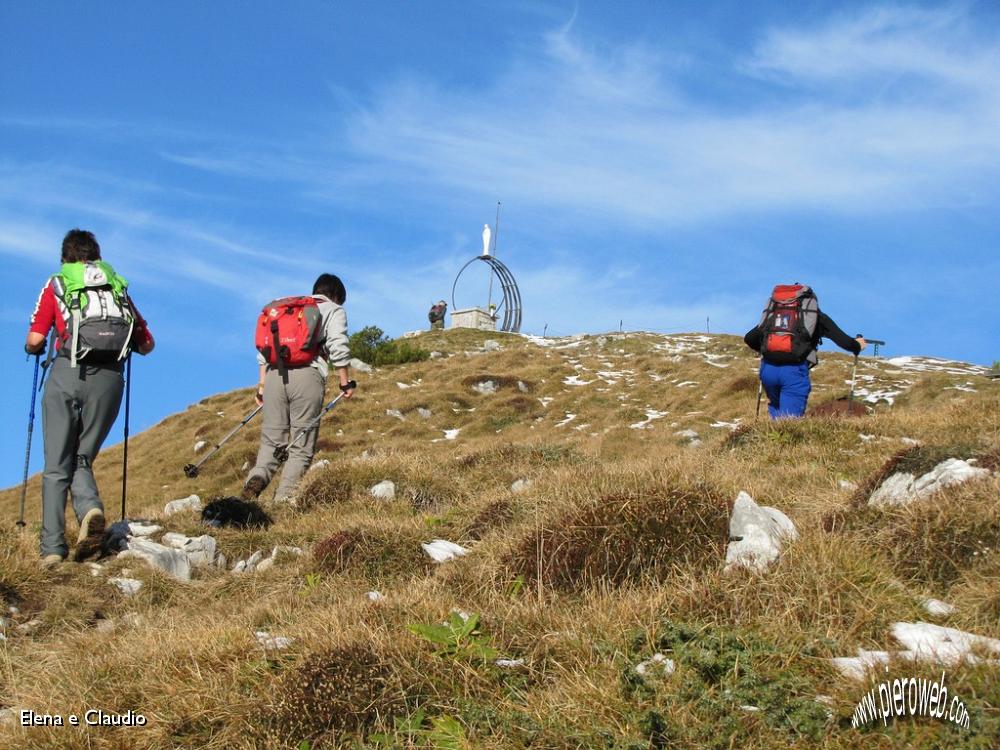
[395, 414]
[441, 550]
[509, 663]
[569, 418]
[688, 384]
[727, 425]
[651, 415]
[575, 380]
[934, 643]
[658, 662]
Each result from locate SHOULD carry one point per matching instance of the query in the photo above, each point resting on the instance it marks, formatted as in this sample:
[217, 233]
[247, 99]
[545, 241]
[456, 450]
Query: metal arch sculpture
[511, 302]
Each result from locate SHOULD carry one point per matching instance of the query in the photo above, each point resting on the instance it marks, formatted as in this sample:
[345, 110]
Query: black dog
[232, 511]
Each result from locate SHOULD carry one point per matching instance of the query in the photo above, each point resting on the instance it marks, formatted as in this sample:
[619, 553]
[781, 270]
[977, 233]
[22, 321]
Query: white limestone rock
[937, 607]
[424, 413]
[189, 503]
[519, 486]
[486, 387]
[170, 560]
[320, 465]
[199, 549]
[272, 642]
[491, 346]
[128, 586]
[139, 528]
[384, 490]
[757, 534]
[903, 488]
[395, 414]
[359, 366]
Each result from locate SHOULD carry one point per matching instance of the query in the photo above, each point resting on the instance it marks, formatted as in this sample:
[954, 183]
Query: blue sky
[658, 163]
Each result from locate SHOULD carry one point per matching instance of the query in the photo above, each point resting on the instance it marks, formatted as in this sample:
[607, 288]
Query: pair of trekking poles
[35, 387]
[281, 451]
[850, 396]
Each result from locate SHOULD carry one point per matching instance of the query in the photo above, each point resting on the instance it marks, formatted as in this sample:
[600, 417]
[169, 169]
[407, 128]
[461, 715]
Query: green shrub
[371, 345]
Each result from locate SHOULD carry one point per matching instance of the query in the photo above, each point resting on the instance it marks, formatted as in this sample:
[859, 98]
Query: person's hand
[347, 388]
[259, 396]
[861, 342]
[35, 344]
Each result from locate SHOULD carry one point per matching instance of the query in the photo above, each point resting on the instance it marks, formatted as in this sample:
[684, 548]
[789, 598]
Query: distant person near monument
[786, 337]
[436, 315]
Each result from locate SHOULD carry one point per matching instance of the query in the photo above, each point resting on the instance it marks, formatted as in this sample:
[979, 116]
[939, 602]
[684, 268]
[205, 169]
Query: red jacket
[46, 315]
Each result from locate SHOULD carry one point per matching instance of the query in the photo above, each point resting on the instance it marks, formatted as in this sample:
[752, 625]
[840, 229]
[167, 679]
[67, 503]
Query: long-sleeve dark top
[825, 328]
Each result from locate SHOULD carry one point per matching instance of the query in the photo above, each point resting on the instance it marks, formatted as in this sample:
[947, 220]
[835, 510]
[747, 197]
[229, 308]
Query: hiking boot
[51, 561]
[253, 488]
[91, 535]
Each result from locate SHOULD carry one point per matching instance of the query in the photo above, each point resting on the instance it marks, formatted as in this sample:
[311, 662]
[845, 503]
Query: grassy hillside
[610, 551]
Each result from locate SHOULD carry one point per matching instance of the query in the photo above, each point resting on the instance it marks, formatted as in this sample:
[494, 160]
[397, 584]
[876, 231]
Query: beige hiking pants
[288, 407]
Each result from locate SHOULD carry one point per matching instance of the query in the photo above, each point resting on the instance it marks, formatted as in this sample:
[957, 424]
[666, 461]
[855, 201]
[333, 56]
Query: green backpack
[94, 301]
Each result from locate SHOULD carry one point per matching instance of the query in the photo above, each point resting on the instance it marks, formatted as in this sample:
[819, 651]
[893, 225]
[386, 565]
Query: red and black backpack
[288, 332]
[788, 324]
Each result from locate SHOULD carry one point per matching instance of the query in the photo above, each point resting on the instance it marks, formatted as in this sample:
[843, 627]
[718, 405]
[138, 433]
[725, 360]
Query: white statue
[486, 239]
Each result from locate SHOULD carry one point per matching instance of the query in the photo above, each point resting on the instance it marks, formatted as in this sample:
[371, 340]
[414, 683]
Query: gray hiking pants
[78, 409]
[288, 408]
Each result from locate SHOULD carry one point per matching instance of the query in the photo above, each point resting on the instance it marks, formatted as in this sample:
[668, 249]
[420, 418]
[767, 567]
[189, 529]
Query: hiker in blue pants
[790, 329]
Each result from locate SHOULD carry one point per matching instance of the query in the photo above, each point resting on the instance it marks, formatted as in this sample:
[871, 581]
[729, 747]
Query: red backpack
[288, 332]
[788, 324]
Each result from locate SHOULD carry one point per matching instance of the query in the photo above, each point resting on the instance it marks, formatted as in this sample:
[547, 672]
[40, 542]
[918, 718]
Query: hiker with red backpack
[95, 327]
[790, 328]
[298, 339]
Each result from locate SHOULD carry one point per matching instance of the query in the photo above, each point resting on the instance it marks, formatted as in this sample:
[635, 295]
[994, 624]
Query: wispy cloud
[612, 133]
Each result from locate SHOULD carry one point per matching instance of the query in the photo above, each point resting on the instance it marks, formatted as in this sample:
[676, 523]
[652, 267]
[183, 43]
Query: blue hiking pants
[787, 388]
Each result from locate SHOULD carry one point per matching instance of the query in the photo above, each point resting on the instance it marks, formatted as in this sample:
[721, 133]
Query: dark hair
[330, 286]
[79, 245]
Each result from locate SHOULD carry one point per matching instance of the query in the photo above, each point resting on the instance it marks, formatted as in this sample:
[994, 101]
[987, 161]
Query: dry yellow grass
[612, 551]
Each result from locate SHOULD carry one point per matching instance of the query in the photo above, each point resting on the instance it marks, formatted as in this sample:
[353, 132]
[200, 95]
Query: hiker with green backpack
[95, 326]
[298, 340]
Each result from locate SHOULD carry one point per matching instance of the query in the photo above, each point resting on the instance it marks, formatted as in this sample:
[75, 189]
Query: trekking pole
[760, 394]
[128, 391]
[854, 373]
[281, 451]
[27, 451]
[191, 470]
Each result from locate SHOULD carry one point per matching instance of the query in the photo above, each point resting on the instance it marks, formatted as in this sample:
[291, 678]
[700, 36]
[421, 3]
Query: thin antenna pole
[708, 325]
[496, 235]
